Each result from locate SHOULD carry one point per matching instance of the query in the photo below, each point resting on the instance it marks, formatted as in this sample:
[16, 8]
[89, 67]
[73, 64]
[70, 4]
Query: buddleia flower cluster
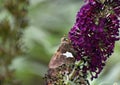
[94, 34]
[92, 40]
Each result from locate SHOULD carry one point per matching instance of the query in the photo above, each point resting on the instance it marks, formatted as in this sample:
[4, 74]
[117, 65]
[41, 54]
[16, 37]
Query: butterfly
[64, 54]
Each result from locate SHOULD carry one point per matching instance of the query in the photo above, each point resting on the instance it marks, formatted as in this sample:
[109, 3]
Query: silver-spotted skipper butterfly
[63, 55]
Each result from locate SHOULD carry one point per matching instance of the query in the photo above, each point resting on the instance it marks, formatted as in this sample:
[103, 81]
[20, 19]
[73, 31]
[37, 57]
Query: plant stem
[72, 74]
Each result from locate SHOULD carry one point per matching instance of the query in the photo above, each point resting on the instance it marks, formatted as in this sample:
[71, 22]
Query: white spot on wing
[68, 54]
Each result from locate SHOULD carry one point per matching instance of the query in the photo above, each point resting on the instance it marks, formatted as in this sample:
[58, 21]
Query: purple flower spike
[94, 33]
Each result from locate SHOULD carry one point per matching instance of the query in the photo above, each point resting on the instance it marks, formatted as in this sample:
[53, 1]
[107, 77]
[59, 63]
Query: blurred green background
[49, 20]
